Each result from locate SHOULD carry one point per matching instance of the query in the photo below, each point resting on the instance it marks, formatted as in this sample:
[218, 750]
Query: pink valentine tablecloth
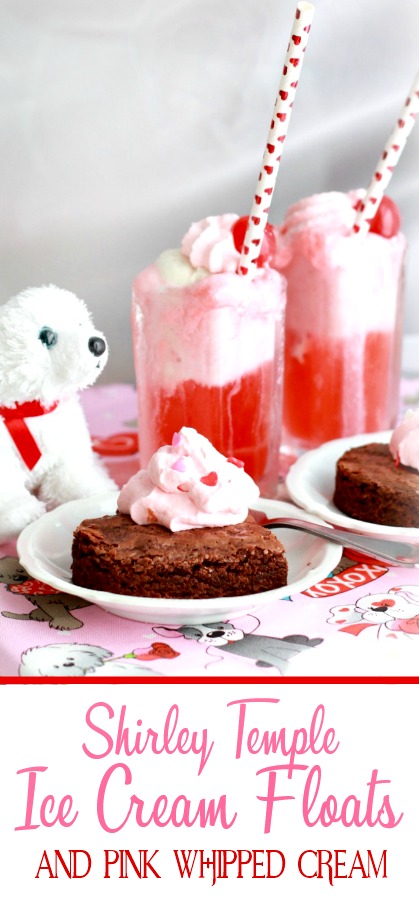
[346, 625]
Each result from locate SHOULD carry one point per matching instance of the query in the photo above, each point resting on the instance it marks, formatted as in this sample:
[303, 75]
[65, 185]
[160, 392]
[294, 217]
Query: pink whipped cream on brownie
[404, 442]
[189, 484]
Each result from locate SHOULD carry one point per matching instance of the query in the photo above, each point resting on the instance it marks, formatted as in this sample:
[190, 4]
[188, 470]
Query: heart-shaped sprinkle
[294, 60]
[281, 116]
[256, 220]
[378, 176]
[283, 95]
[271, 148]
[296, 38]
[210, 480]
[268, 169]
[258, 199]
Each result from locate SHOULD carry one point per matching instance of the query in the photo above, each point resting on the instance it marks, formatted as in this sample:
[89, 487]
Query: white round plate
[311, 484]
[44, 549]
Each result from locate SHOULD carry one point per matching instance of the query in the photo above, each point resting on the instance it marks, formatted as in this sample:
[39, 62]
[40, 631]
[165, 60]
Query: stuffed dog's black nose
[97, 346]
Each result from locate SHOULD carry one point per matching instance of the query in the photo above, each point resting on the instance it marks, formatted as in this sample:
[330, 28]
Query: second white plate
[311, 484]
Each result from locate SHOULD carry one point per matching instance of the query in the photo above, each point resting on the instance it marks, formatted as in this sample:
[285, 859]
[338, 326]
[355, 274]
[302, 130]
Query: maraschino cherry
[268, 244]
[386, 221]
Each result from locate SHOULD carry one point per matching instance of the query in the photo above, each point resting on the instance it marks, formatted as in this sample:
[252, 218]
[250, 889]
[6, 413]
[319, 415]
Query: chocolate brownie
[371, 487]
[114, 554]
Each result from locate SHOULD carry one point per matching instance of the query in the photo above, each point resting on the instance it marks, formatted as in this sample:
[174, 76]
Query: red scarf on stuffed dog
[14, 420]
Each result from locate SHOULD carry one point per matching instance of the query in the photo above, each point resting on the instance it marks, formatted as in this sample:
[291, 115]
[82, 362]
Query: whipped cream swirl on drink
[404, 442]
[207, 248]
[189, 485]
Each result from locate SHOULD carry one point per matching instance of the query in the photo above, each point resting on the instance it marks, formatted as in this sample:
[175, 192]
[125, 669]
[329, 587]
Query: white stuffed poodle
[49, 350]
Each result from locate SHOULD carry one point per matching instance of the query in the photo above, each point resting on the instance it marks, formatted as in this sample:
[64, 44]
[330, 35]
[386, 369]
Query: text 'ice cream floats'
[343, 321]
[208, 348]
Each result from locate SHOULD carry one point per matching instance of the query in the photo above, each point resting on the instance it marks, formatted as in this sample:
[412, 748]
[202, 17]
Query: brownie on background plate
[370, 486]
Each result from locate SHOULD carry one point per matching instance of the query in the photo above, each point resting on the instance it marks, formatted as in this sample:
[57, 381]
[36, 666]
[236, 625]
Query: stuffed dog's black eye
[48, 337]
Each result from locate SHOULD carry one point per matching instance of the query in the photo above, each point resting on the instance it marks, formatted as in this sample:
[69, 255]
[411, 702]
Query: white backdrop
[124, 120]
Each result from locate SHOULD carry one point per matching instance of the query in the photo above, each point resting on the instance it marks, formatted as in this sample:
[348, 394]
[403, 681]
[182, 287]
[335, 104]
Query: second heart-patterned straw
[388, 160]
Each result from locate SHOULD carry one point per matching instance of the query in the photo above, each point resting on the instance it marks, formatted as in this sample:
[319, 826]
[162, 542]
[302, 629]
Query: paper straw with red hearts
[389, 158]
[279, 126]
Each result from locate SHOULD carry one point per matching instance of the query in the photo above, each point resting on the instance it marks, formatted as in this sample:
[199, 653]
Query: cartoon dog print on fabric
[50, 605]
[265, 650]
[396, 611]
[80, 660]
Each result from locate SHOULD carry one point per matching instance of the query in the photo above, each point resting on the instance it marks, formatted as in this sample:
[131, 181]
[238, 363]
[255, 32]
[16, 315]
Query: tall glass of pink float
[344, 320]
[209, 350]
[208, 319]
[343, 257]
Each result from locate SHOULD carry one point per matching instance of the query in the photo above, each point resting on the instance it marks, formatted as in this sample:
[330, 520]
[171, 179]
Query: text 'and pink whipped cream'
[189, 485]
[404, 442]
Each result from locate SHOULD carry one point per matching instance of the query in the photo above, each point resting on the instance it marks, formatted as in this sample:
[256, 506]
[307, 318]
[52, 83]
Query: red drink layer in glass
[343, 323]
[208, 355]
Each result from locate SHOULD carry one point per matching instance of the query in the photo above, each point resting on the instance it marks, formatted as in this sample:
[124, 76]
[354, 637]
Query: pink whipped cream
[209, 244]
[189, 485]
[404, 442]
[333, 276]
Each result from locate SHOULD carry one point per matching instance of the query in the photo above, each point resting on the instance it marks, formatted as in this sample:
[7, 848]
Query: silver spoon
[399, 553]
